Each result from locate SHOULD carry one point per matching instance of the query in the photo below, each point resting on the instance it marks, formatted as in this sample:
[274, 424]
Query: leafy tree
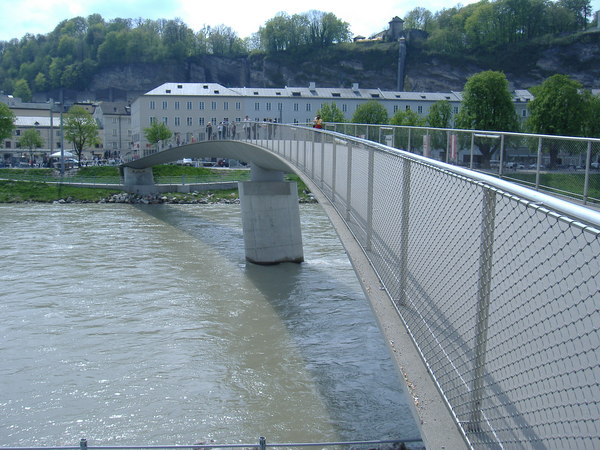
[440, 114]
[40, 82]
[407, 118]
[80, 129]
[326, 29]
[156, 132]
[591, 125]
[7, 121]
[329, 112]
[371, 112]
[31, 140]
[558, 108]
[22, 90]
[487, 104]
[418, 19]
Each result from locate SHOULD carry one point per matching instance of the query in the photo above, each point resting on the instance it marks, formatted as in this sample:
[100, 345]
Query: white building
[187, 108]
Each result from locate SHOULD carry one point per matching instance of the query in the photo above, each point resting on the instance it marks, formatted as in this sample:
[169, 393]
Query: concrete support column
[140, 181]
[271, 219]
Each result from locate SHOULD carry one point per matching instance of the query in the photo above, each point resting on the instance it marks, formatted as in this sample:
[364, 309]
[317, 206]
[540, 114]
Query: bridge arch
[270, 212]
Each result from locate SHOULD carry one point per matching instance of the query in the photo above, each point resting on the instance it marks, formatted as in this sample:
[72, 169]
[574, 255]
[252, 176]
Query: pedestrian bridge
[487, 293]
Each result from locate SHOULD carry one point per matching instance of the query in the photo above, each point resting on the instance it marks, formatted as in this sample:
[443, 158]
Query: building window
[279, 106]
[177, 121]
[189, 105]
[256, 106]
[152, 104]
[201, 105]
[166, 120]
[177, 105]
[524, 113]
[308, 107]
[152, 120]
[268, 106]
[165, 105]
[189, 121]
[456, 110]
[213, 105]
[296, 107]
[344, 108]
[420, 109]
[408, 107]
[201, 121]
[238, 106]
[226, 106]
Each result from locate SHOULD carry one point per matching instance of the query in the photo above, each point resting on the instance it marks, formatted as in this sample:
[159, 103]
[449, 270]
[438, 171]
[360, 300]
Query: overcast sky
[244, 17]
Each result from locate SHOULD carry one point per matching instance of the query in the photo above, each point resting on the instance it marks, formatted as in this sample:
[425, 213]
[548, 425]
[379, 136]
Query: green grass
[24, 191]
[564, 183]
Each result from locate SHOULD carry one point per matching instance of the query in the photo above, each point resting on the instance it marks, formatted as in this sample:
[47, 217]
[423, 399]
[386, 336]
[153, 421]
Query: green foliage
[407, 118]
[558, 107]
[371, 112]
[314, 29]
[31, 139]
[487, 103]
[22, 90]
[156, 132]
[7, 121]
[329, 112]
[80, 129]
[440, 114]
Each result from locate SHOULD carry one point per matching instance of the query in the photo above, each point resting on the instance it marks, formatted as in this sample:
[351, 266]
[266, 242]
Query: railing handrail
[580, 213]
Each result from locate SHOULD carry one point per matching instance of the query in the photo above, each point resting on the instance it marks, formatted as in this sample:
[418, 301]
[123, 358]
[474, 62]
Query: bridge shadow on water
[326, 315]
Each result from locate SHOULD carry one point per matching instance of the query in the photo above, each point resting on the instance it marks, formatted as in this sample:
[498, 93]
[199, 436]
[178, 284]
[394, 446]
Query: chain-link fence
[565, 166]
[497, 284]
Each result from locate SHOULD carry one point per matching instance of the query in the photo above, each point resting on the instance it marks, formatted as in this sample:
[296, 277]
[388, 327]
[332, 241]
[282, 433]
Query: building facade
[188, 108]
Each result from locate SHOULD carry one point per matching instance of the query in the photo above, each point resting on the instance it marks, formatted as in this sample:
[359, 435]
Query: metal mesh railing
[497, 284]
[564, 166]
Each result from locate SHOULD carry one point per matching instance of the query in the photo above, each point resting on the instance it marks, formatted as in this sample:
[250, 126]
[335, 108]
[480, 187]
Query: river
[132, 325]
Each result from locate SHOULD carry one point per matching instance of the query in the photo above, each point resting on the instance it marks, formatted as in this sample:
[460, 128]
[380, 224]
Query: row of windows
[201, 105]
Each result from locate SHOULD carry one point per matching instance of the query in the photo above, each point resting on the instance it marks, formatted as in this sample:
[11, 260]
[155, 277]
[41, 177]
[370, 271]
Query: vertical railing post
[539, 164]
[404, 230]
[312, 158]
[472, 149]
[586, 180]
[333, 166]
[370, 172]
[262, 443]
[486, 253]
[83, 444]
[304, 166]
[322, 139]
[501, 155]
[349, 182]
[409, 143]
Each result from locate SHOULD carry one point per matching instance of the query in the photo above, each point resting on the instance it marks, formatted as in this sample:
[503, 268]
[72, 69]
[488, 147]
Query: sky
[242, 16]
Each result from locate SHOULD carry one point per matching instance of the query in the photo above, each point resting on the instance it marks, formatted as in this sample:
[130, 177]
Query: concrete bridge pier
[139, 181]
[270, 218]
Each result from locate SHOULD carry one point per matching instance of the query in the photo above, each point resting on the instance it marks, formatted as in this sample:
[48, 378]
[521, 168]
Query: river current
[132, 325]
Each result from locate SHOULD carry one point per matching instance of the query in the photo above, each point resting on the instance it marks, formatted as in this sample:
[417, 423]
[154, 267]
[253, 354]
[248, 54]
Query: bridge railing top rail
[582, 214]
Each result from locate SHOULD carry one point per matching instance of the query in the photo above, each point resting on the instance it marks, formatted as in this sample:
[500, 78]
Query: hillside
[372, 65]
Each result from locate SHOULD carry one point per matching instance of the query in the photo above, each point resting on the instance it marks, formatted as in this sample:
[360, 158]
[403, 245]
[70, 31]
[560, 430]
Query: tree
[371, 112]
[407, 118]
[440, 114]
[22, 90]
[418, 19]
[80, 129]
[156, 132]
[558, 108]
[487, 104]
[591, 125]
[7, 121]
[31, 140]
[329, 112]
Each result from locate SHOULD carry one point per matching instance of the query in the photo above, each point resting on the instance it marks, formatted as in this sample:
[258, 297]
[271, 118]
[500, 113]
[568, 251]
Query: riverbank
[38, 192]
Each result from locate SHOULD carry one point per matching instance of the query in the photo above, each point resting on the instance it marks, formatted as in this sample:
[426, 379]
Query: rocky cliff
[372, 65]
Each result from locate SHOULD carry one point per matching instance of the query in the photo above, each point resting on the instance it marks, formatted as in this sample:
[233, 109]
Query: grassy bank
[40, 185]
